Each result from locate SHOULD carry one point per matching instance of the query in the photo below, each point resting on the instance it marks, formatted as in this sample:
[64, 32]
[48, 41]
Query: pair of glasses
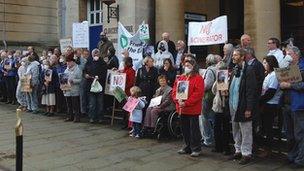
[270, 42]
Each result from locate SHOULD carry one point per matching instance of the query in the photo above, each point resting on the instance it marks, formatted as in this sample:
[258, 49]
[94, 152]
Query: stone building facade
[44, 22]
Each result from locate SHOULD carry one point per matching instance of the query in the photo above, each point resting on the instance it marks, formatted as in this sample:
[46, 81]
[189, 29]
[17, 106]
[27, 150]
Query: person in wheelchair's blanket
[166, 104]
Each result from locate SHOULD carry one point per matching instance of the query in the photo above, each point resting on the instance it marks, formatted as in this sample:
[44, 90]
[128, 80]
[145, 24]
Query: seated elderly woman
[166, 104]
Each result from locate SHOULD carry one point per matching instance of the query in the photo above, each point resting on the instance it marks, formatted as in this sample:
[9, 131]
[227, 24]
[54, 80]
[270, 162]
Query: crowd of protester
[250, 104]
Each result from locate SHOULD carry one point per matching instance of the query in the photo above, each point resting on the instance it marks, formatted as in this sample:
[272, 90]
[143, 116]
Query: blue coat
[297, 91]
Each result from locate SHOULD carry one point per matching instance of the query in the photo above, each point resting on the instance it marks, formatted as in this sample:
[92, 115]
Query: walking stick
[19, 141]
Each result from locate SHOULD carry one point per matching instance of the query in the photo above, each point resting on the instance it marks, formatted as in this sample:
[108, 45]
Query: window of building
[95, 16]
[292, 14]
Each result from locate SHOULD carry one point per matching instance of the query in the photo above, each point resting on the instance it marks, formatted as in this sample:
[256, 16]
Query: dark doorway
[234, 9]
[292, 21]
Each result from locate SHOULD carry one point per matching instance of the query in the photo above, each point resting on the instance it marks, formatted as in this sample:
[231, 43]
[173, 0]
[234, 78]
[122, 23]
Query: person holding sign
[20, 95]
[136, 105]
[188, 93]
[49, 78]
[10, 71]
[295, 120]
[96, 70]
[162, 102]
[72, 94]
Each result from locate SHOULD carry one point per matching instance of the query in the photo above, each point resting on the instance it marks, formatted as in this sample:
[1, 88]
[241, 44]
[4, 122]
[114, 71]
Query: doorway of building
[95, 18]
[234, 9]
[292, 22]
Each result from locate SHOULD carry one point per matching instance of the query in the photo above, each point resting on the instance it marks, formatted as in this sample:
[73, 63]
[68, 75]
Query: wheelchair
[168, 125]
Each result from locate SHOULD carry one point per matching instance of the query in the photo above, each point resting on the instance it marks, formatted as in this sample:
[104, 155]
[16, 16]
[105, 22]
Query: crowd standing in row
[249, 105]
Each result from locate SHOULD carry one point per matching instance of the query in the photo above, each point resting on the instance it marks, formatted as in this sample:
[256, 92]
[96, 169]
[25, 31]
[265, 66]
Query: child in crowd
[49, 79]
[137, 114]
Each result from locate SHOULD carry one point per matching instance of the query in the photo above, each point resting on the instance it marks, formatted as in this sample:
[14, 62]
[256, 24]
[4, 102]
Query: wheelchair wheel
[159, 125]
[174, 125]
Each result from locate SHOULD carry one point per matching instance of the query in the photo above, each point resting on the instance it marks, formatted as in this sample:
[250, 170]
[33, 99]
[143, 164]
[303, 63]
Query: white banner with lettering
[208, 33]
[81, 35]
[133, 43]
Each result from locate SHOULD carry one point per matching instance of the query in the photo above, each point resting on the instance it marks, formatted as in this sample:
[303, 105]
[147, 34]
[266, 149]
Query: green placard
[119, 94]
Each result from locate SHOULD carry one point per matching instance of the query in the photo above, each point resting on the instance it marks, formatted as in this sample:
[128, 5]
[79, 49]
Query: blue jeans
[96, 106]
[32, 99]
[83, 96]
[297, 152]
[136, 128]
[208, 120]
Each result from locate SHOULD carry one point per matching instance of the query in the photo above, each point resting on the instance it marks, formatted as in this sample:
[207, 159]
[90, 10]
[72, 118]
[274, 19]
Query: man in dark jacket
[259, 72]
[242, 101]
[104, 45]
[96, 69]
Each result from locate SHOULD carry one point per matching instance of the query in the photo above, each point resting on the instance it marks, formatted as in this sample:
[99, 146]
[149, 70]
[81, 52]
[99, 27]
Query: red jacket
[130, 79]
[193, 105]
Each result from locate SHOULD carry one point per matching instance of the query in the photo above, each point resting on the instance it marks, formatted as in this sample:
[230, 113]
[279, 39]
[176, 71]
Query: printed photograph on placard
[26, 83]
[64, 82]
[182, 90]
[222, 80]
[48, 75]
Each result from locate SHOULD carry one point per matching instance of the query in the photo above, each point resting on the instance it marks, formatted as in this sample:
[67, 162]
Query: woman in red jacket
[189, 108]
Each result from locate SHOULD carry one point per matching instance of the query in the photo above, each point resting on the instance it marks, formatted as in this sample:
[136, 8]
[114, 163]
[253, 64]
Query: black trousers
[267, 118]
[61, 106]
[73, 104]
[222, 132]
[10, 83]
[191, 133]
[3, 91]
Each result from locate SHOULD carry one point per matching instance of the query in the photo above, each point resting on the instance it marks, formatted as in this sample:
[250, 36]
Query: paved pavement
[51, 144]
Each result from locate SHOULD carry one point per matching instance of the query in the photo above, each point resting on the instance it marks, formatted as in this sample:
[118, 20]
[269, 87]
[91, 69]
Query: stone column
[169, 17]
[262, 21]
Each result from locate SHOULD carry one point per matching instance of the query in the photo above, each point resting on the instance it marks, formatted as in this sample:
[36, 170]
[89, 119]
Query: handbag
[96, 87]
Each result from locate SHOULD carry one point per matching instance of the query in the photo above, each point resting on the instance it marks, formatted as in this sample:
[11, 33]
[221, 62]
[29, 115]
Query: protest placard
[64, 44]
[222, 79]
[119, 94]
[131, 104]
[26, 83]
[48, 75]
[114, 79]
[182, 90]
[208, 33]
[64, 82]
[81, 35]
[155, 101]
[290, 74]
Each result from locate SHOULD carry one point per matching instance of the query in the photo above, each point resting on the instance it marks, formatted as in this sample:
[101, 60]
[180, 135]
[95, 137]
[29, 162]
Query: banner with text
[133, 44]
[208, 33]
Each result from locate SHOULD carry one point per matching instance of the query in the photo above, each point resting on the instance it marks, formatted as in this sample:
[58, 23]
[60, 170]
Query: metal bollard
[19, 141]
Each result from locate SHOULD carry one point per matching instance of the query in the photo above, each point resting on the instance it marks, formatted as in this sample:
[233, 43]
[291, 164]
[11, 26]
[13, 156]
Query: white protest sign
[113, 80]
[64, 43]
[144, 32]
[132, 43]
[118, 80]
[208, 33]
[81, 35]
[155, 101]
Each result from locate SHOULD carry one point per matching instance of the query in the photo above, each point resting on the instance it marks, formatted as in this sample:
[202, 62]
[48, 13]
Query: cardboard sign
[64, 82]
[208, 33]
[222, 79]
[26, 83]
[182, 90]
[64, 44]
[131, 104]
[155, 101]
[119, 94]
[291, 74]
[114, 79]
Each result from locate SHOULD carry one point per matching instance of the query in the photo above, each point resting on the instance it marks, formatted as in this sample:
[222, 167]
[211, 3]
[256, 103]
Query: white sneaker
[137, 136]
